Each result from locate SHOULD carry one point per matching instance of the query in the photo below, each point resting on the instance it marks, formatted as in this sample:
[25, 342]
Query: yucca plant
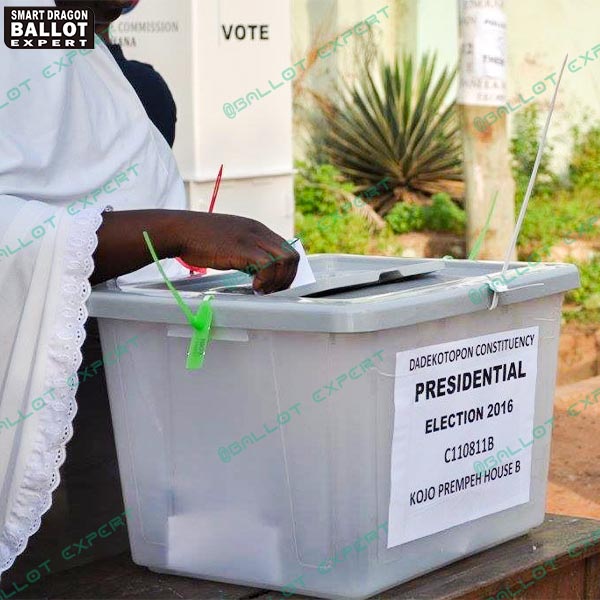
[398, 124]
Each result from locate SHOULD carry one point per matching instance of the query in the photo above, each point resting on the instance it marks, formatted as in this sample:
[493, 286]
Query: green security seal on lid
[201, 322]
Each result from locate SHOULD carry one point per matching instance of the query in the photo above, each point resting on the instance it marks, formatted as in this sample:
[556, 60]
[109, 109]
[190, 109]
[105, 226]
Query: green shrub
[319, 189]
[587, 294]
[406, 217]
[563, 216]
[323, 221]
[524, 147]
[349, 233]
[585, 161]
[442, 215]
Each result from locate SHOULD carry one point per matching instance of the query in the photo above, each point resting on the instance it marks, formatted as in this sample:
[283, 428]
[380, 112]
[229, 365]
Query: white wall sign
[241, 32]
[215, 54]
[483, 53]
[454, 404]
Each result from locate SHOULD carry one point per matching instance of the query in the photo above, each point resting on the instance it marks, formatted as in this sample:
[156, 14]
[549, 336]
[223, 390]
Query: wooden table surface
[566, 545]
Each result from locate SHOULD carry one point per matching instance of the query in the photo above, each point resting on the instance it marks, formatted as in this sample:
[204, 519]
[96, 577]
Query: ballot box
[344, 436]
[229, 66]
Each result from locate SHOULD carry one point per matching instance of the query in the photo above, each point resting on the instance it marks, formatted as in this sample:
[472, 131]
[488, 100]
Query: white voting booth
[217, 56]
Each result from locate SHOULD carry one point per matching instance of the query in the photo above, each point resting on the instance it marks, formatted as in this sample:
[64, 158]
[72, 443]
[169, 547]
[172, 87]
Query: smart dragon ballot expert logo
[39, 28]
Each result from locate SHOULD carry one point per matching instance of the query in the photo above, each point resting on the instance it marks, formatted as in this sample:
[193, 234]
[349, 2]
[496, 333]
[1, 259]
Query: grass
[567, 215]
[563, 208]
[550, 220]
[583, 304]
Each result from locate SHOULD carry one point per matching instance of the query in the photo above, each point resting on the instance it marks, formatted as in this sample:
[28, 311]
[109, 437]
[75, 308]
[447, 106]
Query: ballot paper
[221, 542]
[304, 275]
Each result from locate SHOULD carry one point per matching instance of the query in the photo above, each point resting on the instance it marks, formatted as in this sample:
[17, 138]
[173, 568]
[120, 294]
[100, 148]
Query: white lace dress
[72, 142]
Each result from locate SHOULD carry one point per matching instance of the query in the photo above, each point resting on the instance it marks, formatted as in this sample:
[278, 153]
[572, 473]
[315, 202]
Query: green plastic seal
[201, 322]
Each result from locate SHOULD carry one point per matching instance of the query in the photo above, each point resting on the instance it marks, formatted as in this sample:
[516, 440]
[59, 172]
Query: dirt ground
[574, 485]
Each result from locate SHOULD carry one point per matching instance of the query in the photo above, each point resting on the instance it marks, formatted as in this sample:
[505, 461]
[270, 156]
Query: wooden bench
[558, 560]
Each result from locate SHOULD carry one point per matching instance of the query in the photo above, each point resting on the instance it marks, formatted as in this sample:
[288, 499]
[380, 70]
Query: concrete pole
[487, 172]
[487, 169]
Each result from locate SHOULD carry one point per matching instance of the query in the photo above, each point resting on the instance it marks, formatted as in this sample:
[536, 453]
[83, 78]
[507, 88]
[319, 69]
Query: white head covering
[71, 129]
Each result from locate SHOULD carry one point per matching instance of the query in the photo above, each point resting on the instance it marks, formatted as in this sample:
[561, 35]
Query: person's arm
[200, 239]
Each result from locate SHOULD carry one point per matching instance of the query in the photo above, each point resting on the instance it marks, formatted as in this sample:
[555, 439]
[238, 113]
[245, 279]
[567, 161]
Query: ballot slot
[347, 281]
[330, 283]
[376, 287]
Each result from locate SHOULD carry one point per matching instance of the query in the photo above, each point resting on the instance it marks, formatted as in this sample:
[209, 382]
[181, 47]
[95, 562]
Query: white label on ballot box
[457, 405]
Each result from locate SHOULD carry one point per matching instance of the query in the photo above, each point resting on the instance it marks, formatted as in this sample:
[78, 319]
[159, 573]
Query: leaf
[395, 120]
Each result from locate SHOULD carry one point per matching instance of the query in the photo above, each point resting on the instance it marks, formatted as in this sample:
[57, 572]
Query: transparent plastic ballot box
[341, 438]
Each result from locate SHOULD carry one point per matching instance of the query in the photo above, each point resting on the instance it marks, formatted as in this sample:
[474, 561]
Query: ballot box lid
[352, 294]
